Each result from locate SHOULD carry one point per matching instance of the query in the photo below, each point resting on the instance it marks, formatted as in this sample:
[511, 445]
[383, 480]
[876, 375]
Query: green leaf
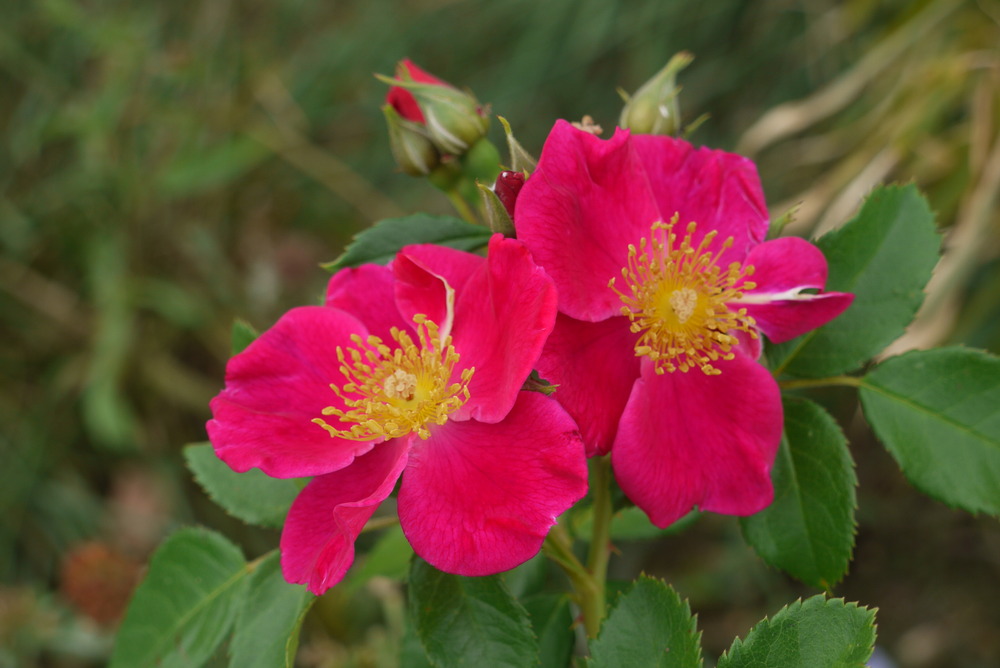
[252, 497]
[186, 605]
[411, 652]
[464, 621]
[816, 633]
[552, 620]
[884, 256]
[241, 336]
[268, 624]
[380, 242]
[808, 531]
[649, 626]
[938, 413]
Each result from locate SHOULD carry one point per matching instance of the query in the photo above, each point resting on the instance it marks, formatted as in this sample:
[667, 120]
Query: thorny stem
[802, 383]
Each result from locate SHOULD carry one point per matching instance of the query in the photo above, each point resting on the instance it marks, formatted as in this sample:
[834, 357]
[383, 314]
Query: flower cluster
[639, 285]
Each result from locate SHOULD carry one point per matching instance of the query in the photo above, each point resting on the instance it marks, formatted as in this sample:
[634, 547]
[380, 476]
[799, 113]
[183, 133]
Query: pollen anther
[389, 392]
[678, 298]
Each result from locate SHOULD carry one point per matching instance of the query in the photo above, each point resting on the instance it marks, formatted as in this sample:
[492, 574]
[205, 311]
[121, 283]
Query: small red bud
[508, 185]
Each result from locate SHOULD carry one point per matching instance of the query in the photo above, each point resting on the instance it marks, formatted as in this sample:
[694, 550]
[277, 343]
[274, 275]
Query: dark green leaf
[808, 531]
[817, 633]
[884, 256]
[241, 336]
[186, 605]
[411, 653]
[649, 626]
[469, 621]
[552, 620]
[379, 243]
[267, 627]
[252, 496]
[938, 413]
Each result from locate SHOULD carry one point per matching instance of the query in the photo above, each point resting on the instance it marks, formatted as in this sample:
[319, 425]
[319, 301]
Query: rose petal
[782, 269]
[422, 291]
[451, 264]
[688, 439]
[585, 203]
[717, 190]
[786, 264]
[479, 498]
[317, 543]
[594, 366]
[503, 315]
[784, 320]
[366, 292]
[273, 391]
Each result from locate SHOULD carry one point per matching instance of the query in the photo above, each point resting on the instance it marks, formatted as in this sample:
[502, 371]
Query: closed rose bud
[654, 109]
[413, 150]
[454, 119]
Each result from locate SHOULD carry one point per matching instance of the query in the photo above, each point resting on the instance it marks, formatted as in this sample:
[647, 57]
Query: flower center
[679, 298]
[390, 392]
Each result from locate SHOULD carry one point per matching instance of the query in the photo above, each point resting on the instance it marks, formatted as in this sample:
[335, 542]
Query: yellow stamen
[679, 299]
[392, 392]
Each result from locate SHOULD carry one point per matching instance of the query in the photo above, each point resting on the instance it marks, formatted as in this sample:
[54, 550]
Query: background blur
[168, 167]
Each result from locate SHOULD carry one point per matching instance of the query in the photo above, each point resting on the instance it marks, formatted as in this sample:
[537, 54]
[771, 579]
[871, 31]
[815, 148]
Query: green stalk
[594, 606]
[463, 208]
[590, 581]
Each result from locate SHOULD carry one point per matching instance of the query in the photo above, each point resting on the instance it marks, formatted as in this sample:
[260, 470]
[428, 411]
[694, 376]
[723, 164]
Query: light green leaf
[884, 256]
[268, 624]
[938, 413]
[379, 243]
[816, 633]
[463, 621]
[252, 497]
[808, 531]
[186, 605]
[649, 626]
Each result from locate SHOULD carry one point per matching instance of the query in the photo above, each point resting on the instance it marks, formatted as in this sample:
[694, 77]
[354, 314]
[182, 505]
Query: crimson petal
[366, 292]
[783, 268]
[276, 387]
[317, 543]
[585, 203]
[689, 439]
[593, 366]
[479, 498]
[503, 315]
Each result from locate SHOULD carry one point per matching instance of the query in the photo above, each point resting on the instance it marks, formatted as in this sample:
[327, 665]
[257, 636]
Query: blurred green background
[166, 168]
